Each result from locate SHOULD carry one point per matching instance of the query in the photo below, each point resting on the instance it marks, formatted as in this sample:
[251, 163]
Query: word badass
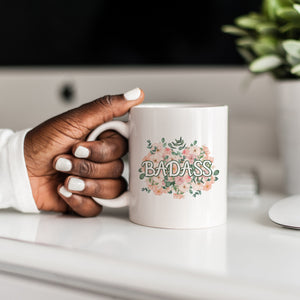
[173, 168]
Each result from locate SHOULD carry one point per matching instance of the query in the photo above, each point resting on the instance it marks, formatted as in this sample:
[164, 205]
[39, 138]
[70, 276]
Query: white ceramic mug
[177, 165]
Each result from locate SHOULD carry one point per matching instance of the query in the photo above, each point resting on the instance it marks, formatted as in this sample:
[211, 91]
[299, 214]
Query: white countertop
[249, 257]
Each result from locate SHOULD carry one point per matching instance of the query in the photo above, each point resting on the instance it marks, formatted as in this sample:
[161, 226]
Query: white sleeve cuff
[15, 186]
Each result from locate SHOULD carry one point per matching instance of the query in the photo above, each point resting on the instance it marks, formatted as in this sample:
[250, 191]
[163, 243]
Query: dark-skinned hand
[50, 153]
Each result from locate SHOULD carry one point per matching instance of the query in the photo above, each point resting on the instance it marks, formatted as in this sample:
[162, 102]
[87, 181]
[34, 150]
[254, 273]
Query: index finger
[90, 115]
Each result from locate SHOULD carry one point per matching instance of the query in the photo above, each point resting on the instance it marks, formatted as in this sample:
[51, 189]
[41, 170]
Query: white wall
[29, 96]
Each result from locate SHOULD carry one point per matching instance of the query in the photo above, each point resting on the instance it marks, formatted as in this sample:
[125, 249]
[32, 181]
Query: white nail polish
[65, 192]
[76, 184]
[82, 152]
[133, 94]
[63, 165]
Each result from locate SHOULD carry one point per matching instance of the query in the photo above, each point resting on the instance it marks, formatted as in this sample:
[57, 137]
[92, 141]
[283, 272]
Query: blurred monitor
[95, 32]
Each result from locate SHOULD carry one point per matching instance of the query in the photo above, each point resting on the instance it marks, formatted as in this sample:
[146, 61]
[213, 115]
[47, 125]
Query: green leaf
[216, 172]
[245, 42]
[297, 7]
[270, 7]
[216, 178]
[246, 22]
[163, 140]
[287, 13]
[142, 176]
[182, 147]
[266, 28]
[292, 47]
[289, 26]
[246, 54]
[230, 29]
[292, 60]
[265, 63]
[140, 170]
[171, 146]
[264, 46]
[296, 70]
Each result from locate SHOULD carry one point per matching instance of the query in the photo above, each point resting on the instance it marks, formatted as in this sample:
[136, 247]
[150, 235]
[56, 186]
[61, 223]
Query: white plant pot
[288, 93]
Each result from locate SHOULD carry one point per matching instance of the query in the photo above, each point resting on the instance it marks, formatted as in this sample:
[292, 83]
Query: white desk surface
[248, 258]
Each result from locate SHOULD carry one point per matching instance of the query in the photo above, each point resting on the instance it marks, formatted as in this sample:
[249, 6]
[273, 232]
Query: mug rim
[177, 105]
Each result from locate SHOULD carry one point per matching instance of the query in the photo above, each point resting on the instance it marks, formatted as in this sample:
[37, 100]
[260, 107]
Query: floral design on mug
[177, 168]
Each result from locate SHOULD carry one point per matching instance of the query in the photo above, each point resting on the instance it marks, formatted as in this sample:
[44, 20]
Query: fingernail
[63, 164]
[133, 94]
[76, 184]
[65, 192]
[82, 152]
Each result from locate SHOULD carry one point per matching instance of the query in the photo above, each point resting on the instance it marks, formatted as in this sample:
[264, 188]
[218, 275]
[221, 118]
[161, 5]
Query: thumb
[90, 115]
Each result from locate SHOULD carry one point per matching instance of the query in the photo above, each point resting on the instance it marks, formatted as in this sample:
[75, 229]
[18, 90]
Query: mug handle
[123, 129]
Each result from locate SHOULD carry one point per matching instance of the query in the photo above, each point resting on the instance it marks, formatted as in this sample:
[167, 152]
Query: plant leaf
[247, 22]
[245, 41]
[289, 26]
[266, 27]
[292, 60]
[265, 63]
[292, 47]
[296, 70]
[265, 45]
[246, 54]
[270, 7]
[297, 7]
[287, 13]
[230, 29]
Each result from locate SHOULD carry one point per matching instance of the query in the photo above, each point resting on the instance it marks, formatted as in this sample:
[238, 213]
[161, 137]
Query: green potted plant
[269, 41]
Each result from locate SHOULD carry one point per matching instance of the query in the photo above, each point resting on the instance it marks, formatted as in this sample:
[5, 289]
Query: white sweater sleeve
[15, 189]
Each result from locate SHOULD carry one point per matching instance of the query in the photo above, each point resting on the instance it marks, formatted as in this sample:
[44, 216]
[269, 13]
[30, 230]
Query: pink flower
[191, 157]
[212, 179]
[159, 179]
[186, 151]
[159, 147]
[177, 196]
[207, 186]
[179, 180]
[156, 158]
[206, 150]
[210, 158]
[147, 157]
[187, 178]
[150, 182]
[166, 190]
[157, 190]
[195, 150]
[184, 187]
[167, 151]
[197, 186]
